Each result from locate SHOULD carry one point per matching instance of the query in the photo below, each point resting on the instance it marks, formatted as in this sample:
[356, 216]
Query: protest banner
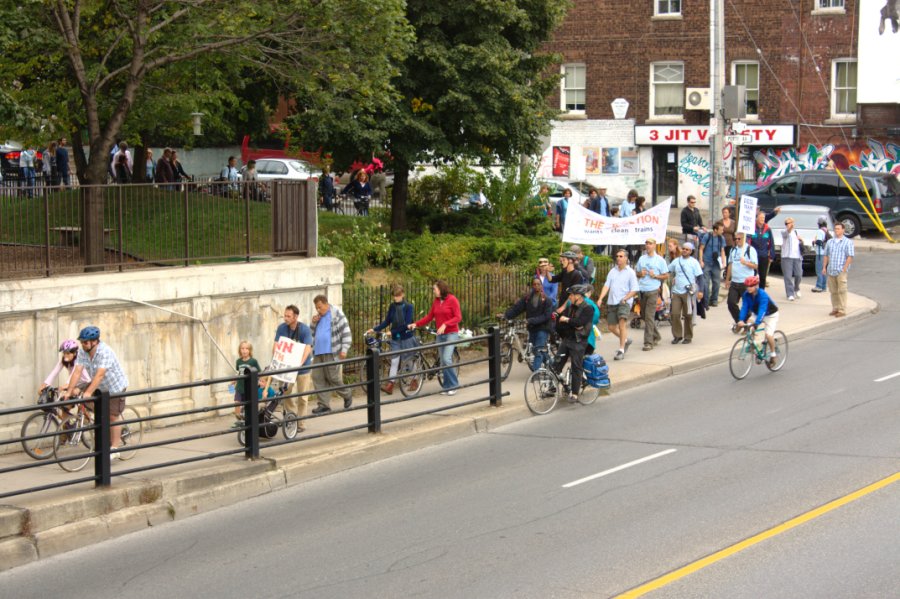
[590, 228]
[288, 354]
[746, 222]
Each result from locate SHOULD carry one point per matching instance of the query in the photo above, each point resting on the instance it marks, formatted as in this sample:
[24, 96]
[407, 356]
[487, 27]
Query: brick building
[822, 84]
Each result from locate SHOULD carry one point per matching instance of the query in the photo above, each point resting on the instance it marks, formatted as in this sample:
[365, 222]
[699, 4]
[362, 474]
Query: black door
[665, 174]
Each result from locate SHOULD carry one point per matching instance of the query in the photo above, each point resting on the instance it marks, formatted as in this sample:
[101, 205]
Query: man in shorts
[622, 287]
[102, 365]
[757, 305]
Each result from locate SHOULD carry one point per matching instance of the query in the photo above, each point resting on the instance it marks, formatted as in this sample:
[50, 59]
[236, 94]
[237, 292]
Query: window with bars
[572, 97]
[829, 3]
[843, 88]
[747, 74]
[666, 89]
[667, 7]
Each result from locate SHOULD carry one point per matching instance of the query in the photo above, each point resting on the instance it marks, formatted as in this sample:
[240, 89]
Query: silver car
[271, 169]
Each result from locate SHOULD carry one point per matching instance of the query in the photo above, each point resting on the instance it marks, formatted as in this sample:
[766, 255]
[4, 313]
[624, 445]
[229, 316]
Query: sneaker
[686, 342]
[648, 346]
[817, 290]
[238, 424]
[627, 345]
[114, 453]
[449, 392]
[676, 340]
[798, 294]
[620, 355]
[791, 298]
[573, 398]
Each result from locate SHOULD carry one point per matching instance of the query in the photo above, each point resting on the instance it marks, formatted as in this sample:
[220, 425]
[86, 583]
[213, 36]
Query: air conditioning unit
[697, 98]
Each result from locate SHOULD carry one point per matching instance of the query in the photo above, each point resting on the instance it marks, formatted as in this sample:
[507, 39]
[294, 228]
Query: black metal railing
[486, 352]
[144, 225]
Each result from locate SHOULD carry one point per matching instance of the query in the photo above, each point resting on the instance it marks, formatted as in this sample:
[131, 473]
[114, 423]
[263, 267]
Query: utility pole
[717, 123]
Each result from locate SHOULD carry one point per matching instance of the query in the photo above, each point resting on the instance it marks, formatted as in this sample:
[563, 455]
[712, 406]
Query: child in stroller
[662, 315]
[271, 394]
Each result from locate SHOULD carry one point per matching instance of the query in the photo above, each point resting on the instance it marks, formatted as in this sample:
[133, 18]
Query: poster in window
[561, 158]
[610, 161]
[591, 160]
[630, 163]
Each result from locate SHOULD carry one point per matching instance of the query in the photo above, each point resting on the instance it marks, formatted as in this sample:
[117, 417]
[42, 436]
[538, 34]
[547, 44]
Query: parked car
[806, 223]
[825, 188]
[271, 169]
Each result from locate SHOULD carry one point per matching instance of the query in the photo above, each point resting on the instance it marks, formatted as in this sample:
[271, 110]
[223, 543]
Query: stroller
[662, 316]
[270, 398]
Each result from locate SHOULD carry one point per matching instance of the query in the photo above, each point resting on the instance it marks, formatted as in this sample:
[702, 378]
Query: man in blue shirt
[756, 303]
[712, 250]
[684, 293]
[331, 342]
[562, 206]
[622, 287]
[296, 331]
[600, 205]
[742, 263]
[651, 272]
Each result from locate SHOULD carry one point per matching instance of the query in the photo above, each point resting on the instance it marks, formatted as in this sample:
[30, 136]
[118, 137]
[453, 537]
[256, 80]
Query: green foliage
[365, 244]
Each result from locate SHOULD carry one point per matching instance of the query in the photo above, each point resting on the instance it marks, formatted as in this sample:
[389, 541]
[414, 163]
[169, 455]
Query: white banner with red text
[590, 228]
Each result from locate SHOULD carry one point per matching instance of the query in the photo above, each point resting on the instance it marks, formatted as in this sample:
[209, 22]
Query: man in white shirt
[791, 259]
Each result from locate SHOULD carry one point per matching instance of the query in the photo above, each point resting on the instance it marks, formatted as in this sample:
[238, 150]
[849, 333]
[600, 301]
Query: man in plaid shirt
[331, 342]
[838, 258]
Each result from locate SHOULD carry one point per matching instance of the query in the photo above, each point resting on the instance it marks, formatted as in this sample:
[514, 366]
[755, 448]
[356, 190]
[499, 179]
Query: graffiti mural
[871, 156]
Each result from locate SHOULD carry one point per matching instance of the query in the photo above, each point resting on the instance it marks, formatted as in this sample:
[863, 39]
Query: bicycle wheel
[290, 425]
[781, 347]
[589, 393]
[453, 360]
[740, 361]
[132, 434]
[40, 423]
[542, 391]
[506, 359]
[413, 377]
[76, 445]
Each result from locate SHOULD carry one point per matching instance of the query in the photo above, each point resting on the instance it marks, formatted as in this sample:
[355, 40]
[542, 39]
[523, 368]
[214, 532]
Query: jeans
[538, 340]
[821, 280]
[713, 273]
[28, 180]
[450, 380]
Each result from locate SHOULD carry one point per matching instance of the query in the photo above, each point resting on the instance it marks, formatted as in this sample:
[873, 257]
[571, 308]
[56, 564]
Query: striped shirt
[838, 249]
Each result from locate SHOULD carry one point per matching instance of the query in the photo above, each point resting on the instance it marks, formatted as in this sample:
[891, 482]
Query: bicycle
[512, 341]
[362, 205]
[424, 364]
[545, 387]
[44, 423]
[77, 431]
[746, 351]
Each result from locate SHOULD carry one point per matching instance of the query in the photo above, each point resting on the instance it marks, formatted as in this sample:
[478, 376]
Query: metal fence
[155, 225]
[486, 382]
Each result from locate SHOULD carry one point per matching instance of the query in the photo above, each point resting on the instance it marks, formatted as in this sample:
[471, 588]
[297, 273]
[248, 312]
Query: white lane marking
[884, 378]
[617, 468]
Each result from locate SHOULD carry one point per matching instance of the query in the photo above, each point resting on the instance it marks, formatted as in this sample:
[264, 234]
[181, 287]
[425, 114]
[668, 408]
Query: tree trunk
[92, 196]
[139, 174]
[399, 195]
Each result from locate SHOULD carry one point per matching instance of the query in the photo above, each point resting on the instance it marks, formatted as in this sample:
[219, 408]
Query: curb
[49, 526]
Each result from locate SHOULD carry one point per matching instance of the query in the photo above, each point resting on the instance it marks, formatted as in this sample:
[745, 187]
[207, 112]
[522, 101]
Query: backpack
[596, 371]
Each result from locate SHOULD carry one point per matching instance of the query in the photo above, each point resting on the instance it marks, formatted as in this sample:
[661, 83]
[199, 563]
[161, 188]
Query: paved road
[490, 515]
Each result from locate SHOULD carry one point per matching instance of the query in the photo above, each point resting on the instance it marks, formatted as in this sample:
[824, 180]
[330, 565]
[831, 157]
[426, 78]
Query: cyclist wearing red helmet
[756, 304]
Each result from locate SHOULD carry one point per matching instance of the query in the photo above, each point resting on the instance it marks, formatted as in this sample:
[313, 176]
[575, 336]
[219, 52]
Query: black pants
[735, 291]
[763, 270]
[571, 348]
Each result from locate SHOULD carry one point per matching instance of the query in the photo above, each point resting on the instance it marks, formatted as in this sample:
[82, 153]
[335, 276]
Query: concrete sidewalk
[51, 522]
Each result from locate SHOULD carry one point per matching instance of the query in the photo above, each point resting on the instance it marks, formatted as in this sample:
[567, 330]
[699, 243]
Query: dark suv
[825, 188]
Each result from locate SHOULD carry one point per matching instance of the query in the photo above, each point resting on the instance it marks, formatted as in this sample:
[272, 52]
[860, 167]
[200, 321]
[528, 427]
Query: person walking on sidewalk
[836, 264]
[686, 269]
[331, 342]
[742, 262]
[822, 237]
[446, 314]
[764, 244]
[298, 332]
[106, 374]
[622, 287]
[712, 256]
[791, 260]
[538, 311]
[691, 221]
[399, 316]
[651, 272]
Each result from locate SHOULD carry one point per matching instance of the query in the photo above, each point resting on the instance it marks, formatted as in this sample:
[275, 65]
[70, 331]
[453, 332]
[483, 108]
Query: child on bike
[244, 361]
[69, 351]
[756, 302]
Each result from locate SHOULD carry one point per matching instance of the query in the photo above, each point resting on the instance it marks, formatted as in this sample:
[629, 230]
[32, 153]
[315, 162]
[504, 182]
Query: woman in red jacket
[447, 315]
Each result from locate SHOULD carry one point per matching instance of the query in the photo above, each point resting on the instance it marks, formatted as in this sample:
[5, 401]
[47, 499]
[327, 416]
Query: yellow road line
[747, 543]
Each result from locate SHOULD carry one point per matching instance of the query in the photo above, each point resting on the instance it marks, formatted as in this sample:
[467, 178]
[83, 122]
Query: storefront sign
[586, 227]
[698, 135]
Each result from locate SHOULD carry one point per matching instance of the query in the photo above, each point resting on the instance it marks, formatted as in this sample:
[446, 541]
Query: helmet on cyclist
[69, 345]
[570, 255]
[751, 281]
[579, 289]
[89, 334]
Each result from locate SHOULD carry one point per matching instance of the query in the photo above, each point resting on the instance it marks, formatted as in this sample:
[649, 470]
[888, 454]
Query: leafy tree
[475, 85]
[93, 66]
